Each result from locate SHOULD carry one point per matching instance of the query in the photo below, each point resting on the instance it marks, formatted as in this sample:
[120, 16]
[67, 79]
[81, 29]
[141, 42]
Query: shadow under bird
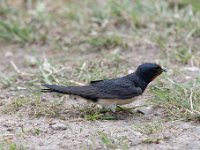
[112, 92]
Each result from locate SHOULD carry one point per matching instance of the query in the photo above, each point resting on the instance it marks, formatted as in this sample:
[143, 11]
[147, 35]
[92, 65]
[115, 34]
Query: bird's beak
[164, 70]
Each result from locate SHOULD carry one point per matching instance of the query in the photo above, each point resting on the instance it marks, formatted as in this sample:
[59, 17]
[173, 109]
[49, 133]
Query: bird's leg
[124, 109]
[119, 107]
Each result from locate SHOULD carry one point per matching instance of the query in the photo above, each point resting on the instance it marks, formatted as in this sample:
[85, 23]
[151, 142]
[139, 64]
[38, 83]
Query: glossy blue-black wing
[116, 89]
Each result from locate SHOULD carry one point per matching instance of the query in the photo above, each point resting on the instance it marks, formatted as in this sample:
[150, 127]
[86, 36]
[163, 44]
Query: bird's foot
[124, 109]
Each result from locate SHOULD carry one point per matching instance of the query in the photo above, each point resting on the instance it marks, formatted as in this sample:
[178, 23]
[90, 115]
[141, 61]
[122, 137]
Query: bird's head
[149, 71]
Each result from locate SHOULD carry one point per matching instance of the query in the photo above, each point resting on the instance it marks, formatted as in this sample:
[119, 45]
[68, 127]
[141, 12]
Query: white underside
[105, 102]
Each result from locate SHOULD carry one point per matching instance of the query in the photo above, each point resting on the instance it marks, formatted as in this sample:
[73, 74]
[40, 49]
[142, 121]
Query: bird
[110, 93]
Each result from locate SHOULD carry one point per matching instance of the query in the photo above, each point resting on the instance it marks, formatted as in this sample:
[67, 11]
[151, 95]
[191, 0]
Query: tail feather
[86, 91]
[47, 90]
[73, 90]
[59, 89]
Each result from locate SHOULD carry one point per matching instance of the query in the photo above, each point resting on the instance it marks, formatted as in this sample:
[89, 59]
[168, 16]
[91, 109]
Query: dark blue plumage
[122, 88]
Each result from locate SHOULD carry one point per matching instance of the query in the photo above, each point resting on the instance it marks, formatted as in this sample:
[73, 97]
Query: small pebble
[8, 54]
[145, 110]
[59, 126]
[10, 129]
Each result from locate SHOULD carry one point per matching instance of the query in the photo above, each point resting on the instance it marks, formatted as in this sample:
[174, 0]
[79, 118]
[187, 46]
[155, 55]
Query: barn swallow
[112, 92]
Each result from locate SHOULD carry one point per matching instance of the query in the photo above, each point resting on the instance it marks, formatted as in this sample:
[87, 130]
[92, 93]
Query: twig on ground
[18, 71]
[78, 83]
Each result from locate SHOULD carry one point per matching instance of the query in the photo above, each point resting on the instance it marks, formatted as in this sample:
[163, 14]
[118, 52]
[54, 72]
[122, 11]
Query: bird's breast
[105, 102]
